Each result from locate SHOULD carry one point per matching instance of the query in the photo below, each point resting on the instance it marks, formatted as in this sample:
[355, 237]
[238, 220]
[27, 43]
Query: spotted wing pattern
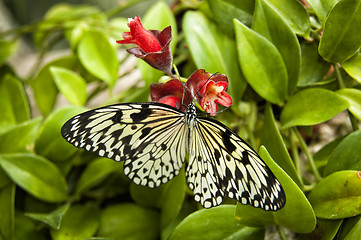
[150, 138]
[221, 163]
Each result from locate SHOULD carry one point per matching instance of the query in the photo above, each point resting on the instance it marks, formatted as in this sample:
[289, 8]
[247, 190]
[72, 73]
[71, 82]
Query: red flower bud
[154, 45]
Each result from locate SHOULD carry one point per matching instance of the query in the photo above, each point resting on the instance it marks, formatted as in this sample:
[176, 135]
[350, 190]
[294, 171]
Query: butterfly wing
[150, 137]
[226, 165]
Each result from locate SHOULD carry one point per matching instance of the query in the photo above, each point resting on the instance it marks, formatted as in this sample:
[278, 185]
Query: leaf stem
[295, 155]
[304, 148]
[281, 232]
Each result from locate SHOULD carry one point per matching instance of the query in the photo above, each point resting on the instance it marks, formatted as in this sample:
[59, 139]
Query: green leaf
[353, 67]
[323, 155]
[79, 222]
[312, 106]
[21, 137]
[13, 103]
[325, 230]
[214, 51]
[294, 14]
[44, 88]
[70, 84]
[353, 96]
[129, 221]
[224, 12]
[95, 172]
[302, 219]
[261, 64]
[322, 8]
[272, 140]
[172, 199]
[215, 223]
[49, 142]
[7, 209]
[53, 219]
[44, 181]
[341, 36]
[7, 49]
[27, 229]
[269, 24]
[201, 42]
[351, 229]
[313, 67]
[349, 151]
[98, 56]
[158, 17]
[337, 196]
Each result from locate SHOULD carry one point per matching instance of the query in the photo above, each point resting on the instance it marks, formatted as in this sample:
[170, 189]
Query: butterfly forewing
[151, 138]
[233, 167]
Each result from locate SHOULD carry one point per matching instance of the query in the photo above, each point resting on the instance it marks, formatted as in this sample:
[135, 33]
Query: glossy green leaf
[294, 14]
[214, 51]
[341, 36]
[201, 43]
[353, 67]
[351, 229]
[261, 64]
[215, 223]
[271, 138]
[70, 84]
[4, 179]
[349, 151]
[53, 219]
[7, 49]
[129, 221]
[49, 142]
[325, 230]
[270, 25]
[354, 97]
[44, 88]
[79, 222]
[172, 199]
[323, 155]
[7, 209]
[302, 219]
[223, 12]
[26, 228]
[312, 106]
[322, 8]
[95, 172]
[44, 181]
[98, 56]
[313, 67]
[13, 103]
[337, 196]
[145, 196]
[21, 137]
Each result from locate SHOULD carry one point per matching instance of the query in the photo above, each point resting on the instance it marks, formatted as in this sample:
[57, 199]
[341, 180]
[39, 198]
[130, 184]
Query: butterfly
[153, 140]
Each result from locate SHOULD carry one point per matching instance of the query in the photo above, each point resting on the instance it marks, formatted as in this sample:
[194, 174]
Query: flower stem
[304, 148]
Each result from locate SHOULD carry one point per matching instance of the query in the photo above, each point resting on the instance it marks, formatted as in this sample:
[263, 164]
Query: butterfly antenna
[205, 83]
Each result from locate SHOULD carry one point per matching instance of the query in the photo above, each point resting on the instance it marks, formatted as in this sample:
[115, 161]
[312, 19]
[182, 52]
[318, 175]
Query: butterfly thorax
[191, 115]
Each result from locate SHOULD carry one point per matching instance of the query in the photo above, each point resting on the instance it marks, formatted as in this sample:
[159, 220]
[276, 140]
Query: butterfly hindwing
[236, 169]
[151, 138]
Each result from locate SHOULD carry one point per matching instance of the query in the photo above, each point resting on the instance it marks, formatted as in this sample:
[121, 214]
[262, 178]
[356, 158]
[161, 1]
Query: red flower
[171, 93]
[154, 45]
[209, 90]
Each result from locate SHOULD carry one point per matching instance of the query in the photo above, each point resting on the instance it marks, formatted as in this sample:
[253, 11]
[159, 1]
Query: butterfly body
[153, 139]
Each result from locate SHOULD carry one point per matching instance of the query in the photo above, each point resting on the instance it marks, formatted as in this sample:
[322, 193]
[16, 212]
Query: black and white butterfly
[153, 139]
